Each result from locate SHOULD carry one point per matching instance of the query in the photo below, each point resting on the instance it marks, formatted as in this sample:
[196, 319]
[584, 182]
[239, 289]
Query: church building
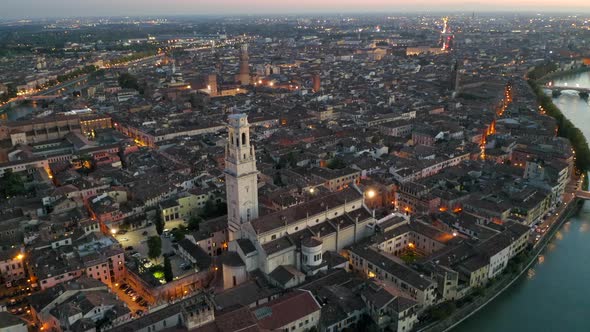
[296, 240]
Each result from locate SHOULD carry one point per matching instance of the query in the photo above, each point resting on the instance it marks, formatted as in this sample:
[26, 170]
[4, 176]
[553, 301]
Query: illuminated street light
[113, 231]
[20, 257]
[312, 190]
[371, 193]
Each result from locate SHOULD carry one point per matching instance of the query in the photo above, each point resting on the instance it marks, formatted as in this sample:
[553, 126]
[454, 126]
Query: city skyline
[299, 166]
[69, 8]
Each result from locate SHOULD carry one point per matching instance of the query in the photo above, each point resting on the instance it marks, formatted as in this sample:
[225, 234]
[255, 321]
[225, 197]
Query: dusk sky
[61, 8]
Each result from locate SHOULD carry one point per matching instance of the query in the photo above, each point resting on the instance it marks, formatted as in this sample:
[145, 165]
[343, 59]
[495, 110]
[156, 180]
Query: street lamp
[371, 193]
[20, 257]
[113, 231]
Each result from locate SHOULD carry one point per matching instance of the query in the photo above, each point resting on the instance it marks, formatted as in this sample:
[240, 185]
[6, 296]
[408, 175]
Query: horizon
[39, 9]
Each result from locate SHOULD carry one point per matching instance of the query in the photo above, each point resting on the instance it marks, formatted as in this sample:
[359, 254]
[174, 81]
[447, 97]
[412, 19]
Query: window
[234, 280]
[243, 138]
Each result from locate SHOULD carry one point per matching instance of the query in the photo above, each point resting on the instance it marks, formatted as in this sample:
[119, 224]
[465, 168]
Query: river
[554, 295]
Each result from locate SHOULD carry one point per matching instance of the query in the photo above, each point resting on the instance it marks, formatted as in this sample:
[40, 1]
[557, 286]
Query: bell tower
[241, 176]
[244, 76]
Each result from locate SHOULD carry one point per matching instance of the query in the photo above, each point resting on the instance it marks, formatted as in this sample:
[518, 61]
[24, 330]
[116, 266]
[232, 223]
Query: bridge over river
[557, 89]
[582, 194]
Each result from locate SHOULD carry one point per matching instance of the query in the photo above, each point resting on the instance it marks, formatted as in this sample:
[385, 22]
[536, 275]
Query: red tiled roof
[286, 309]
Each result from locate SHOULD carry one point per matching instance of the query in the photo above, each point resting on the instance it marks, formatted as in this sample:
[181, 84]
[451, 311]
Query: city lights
[434, 158]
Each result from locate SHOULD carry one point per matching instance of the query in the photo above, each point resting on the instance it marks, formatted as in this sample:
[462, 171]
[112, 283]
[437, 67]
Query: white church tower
[241, 176]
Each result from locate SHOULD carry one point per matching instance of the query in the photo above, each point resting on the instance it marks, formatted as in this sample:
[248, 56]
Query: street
[569, 196]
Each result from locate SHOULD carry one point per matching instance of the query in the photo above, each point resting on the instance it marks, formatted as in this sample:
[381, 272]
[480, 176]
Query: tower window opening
[243, 138]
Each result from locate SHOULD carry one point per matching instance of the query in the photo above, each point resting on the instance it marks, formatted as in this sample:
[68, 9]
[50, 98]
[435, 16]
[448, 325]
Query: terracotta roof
[285, 310]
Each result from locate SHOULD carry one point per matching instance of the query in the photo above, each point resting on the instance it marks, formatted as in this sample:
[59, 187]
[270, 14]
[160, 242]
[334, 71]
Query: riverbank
[562, 73]
[482, 297]
[565, 128]
[495, 289]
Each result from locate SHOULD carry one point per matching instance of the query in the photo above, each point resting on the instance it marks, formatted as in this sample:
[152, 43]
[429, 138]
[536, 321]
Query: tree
[336, 163]
[193, 223]
[128, 81]
[178, 233]
[291, 160]
[168, 275]
[154, 247]
[11, 184]
[159, 222]
[443, 310]
[214, 209]
[542, 70]
[278, 180]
